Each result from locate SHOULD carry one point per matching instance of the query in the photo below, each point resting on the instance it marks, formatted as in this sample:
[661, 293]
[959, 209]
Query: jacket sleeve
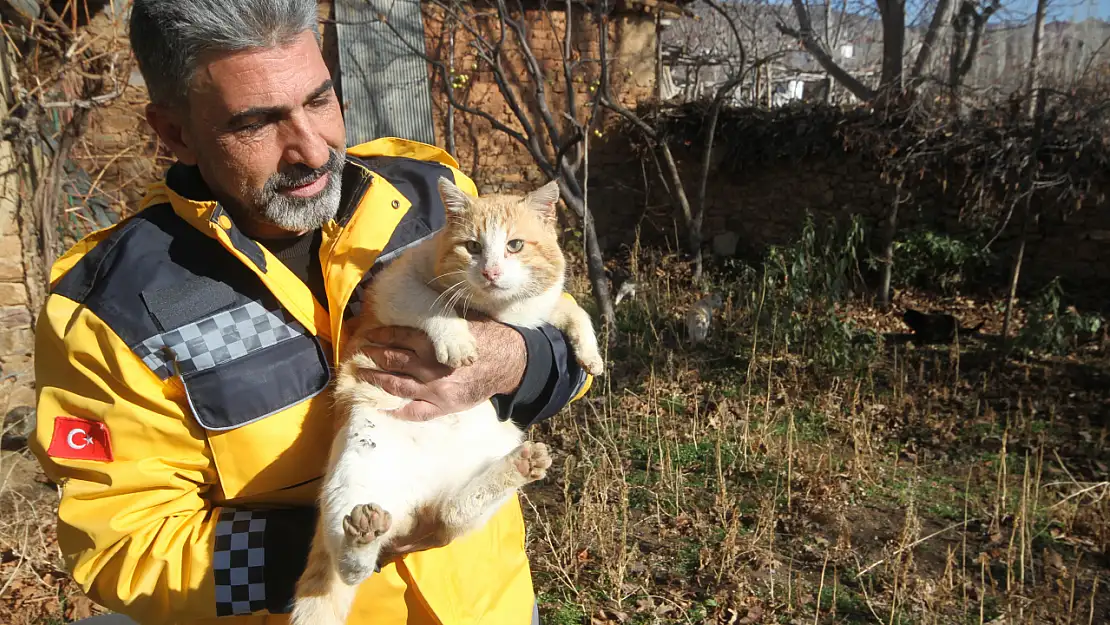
[136, 526]
[552, 378]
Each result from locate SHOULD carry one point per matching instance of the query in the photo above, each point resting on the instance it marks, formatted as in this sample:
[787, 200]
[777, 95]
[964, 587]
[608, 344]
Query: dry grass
[747, 481]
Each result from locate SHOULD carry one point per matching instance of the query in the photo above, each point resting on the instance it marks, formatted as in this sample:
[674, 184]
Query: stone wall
[16, 338]
[765, 204]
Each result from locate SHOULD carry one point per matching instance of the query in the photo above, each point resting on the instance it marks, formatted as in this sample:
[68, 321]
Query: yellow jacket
[181, 370]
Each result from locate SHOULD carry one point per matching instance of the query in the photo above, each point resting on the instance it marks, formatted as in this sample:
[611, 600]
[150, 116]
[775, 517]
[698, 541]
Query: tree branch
[814, 47]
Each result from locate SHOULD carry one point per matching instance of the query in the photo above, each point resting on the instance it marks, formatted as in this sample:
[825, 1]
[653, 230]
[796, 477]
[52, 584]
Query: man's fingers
[396, 385]
[391, 359]
[407, 363]
[402, 337]
[418, 411]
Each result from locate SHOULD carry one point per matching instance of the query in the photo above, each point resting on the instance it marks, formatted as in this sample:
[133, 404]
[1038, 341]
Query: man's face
[265, 129]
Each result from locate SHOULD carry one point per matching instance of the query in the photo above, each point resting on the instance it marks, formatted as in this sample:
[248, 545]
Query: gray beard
[301, 213]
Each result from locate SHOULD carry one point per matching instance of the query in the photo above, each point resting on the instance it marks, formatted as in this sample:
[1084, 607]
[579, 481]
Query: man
[183, 355]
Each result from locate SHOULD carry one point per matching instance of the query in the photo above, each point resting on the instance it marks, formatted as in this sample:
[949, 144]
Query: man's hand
[410, 369]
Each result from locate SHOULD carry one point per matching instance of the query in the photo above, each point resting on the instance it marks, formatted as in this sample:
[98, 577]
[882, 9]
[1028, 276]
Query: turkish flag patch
[80, 439]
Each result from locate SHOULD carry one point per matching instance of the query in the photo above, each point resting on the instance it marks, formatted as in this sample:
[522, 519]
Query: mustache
[300, 174]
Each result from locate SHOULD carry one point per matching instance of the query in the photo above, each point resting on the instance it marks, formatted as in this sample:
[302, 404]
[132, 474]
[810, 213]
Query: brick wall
[490, 156]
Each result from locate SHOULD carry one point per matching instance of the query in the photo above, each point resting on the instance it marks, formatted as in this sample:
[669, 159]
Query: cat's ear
[544, 199]
[454, 199]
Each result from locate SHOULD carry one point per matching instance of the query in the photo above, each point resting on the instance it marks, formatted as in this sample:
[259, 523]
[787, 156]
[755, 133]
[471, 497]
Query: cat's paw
[531, 460]
[457, 349]
[366, 522]
[592, 363]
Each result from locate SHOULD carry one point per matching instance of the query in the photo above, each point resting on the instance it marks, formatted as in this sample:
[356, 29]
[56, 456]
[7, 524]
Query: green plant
[928, 259]
[1047, 329]
[804, 283]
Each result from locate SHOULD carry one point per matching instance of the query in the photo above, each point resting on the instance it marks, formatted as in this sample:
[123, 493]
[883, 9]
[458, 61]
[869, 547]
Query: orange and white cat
[498, 255]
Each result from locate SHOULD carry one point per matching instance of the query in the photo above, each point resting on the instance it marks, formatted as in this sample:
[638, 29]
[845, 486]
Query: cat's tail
[321, 597]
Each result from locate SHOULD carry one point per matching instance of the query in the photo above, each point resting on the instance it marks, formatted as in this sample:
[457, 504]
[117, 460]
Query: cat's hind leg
[479, 499]
[361, 504]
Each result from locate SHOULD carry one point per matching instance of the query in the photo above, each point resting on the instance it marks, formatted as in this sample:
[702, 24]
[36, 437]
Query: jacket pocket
[258, 385]
[249, 376]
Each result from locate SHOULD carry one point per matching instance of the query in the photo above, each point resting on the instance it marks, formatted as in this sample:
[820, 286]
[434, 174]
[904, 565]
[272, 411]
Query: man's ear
[170, 126]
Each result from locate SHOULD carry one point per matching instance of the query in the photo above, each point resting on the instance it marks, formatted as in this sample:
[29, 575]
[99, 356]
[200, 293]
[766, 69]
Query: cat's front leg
[455, 345]
[575, 322]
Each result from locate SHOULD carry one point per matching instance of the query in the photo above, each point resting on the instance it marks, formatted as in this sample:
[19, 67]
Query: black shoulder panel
[188, 308]
[153, 273]
[418, 181]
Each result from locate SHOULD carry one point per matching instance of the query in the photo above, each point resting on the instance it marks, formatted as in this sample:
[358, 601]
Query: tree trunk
[595, 261]
[893, 14]
[959, 40]
[1029, 183]
[1015, 272]
[890, 228]
[1035, 57]
[695, 233]
[450, 129]
[941, 17]
[676, 180]
[770, 87]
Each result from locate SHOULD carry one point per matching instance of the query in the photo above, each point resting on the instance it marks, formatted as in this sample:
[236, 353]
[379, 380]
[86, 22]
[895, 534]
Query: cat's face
[500, 248]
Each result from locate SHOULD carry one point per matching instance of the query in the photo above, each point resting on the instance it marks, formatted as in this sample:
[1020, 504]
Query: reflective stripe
[218, 338]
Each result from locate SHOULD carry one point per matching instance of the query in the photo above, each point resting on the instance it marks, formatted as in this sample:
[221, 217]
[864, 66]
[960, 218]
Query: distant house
[699, 53]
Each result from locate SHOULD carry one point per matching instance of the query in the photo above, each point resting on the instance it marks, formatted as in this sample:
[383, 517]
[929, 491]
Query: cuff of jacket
[258, 557]
[552, 378]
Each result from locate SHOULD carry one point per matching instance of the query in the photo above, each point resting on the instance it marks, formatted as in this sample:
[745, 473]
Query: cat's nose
[491, 273]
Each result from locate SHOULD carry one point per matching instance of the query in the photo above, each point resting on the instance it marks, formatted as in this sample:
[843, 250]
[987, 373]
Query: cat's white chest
[529, 313]
[429, 458]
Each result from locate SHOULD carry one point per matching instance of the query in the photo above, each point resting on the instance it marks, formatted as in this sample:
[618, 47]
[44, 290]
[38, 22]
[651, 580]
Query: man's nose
[305, 146]
[491, 273]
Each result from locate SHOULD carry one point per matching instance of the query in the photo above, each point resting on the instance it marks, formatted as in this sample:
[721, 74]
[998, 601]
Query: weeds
[1049, 330]
[937, 261]
[798, 469]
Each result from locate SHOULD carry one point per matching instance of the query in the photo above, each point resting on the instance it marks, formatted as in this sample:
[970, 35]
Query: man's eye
[473, 247]
[249, 128]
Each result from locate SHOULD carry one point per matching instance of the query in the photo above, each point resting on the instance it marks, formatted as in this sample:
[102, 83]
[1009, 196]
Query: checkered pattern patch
[238, 560]
[217, 339]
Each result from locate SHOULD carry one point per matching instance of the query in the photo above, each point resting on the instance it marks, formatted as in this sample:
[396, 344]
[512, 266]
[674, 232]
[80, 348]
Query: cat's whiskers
[448, 292]
[444, 275]
[460, 293]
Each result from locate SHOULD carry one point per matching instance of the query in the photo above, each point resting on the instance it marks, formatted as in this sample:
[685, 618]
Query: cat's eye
[515, 245]
[473, 247]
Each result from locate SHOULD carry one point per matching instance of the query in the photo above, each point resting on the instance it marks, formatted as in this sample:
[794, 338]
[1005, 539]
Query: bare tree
[967, 17]
[1035, 57]
[967, 25]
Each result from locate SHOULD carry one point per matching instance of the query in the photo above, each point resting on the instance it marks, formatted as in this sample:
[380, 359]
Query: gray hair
[168, 36]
